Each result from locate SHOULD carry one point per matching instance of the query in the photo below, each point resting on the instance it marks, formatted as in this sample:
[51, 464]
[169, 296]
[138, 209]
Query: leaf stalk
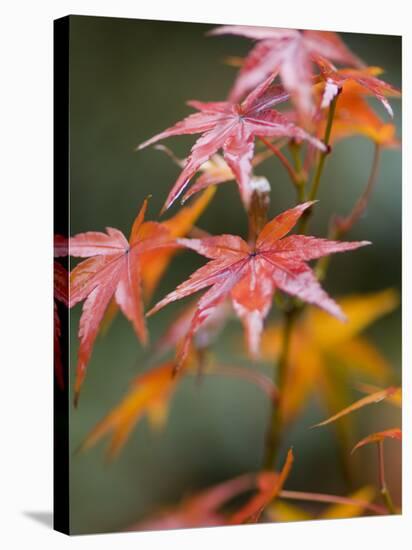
[304, 223]
[289, 168]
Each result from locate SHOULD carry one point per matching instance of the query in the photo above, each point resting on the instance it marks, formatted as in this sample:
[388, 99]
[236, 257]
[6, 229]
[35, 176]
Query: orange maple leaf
[149, 395]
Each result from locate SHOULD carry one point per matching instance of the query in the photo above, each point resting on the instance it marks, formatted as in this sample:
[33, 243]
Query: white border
[26, 231]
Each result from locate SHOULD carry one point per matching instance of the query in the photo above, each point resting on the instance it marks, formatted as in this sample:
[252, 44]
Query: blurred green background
[129, 79]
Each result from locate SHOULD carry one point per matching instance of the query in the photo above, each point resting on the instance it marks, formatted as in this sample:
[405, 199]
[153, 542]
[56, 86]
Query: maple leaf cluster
[243, 276]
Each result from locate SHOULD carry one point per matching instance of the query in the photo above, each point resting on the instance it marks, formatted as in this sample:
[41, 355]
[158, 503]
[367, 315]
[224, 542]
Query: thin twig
[345, 224]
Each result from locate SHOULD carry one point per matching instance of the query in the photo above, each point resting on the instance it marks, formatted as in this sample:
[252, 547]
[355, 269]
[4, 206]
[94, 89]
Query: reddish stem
[345, 224]
[282, 159]
[341, 225]
[332, 499]
[382, 480]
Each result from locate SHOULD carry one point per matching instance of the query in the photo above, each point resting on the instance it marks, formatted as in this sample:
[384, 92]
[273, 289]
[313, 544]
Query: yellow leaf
[319, 344]
[361, 311]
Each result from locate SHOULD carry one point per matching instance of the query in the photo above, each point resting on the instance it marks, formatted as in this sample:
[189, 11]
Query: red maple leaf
[363, 81]
[113, 268]
[250, 274]
[232, 128]
[290, 53]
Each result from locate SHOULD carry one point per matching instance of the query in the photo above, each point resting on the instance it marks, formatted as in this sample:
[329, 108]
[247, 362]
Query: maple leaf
[360, 82]
[232, 128]
[320, 344]
[155, 263]
[61, 294]
[205, 508]
[113, 269]
[250, 274]
[393, 433]
[291, 53]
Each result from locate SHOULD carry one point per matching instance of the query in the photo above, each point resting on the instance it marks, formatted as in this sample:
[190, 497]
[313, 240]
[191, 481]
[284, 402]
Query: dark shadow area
[44, 518]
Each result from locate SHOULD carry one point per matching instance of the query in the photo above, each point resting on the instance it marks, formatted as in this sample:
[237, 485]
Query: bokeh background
[129, 79]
